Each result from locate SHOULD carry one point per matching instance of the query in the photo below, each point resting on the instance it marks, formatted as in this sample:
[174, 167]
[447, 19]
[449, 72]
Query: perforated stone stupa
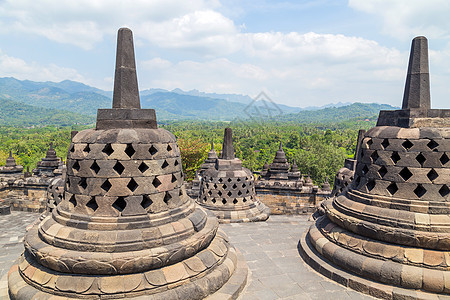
[228, 189]
[11, 169]
[125, 226]
[389, 233]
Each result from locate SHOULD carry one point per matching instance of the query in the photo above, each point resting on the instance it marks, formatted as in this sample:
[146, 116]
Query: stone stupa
[11, 169]
[125, 227]
[228, 189]
[388, 234]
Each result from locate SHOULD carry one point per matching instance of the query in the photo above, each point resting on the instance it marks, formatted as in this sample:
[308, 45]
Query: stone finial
[417, 87]
[126, 92]
[358, 143]
[228, 149]
[212, 146]
[281, 147]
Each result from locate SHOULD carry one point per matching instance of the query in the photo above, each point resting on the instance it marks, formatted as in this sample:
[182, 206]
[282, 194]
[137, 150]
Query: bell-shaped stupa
[125, 227]
[388, 234]
[228, 189]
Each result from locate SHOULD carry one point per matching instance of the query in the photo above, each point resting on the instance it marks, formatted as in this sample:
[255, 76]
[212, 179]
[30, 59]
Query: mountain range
[40, 103]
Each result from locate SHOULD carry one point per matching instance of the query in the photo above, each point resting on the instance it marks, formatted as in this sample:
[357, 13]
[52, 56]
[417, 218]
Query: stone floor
[270, 248]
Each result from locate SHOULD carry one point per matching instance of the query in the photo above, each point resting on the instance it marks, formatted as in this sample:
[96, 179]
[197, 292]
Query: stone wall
[285, 202]
[31, 198]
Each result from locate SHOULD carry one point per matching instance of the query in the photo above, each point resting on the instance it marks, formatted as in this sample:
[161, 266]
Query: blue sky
[300, 53]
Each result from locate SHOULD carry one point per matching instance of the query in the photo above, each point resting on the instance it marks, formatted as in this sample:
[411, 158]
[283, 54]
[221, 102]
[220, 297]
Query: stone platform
[271, 250]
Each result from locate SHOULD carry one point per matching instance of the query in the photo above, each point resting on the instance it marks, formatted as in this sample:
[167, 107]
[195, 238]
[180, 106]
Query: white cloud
[20, 69]
[404, 19]
[84, 22]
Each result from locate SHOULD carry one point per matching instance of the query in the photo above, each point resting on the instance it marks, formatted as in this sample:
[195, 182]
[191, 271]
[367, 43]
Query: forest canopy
[318, 149]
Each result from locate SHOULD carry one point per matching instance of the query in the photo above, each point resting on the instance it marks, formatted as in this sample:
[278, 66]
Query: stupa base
[257, 213]
[227, 278]
[334, 262]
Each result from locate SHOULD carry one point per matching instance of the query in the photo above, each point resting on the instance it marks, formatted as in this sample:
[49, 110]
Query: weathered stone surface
[228, 189]
[124, 226]
[393, 215]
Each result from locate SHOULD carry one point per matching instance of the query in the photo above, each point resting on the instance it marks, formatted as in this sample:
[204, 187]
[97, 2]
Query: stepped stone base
[170, 282]
[313, 248]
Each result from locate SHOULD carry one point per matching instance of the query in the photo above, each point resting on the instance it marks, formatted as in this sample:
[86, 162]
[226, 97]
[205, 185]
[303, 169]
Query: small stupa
[11, 169]
[228, 189]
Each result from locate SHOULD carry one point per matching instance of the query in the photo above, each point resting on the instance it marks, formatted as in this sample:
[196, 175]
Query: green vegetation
[18, 114]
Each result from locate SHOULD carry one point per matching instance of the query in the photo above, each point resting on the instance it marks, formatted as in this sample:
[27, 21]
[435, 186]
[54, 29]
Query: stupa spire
[126, 92]
[417, 87]
[228, 149]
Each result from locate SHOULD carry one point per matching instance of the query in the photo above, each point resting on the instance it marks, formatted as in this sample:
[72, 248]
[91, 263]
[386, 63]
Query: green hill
[355, 111]
[18, 114]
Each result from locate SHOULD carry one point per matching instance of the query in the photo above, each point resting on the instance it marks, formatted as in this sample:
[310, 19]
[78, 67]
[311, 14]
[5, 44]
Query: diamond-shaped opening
[210, 192]
[224, 201]
[432, 144]
[407, 144]
[235, 201]
[395, 157]
[392, 188]
[108, 150]
[432, 175]
[444, 159]
[152, 150]
[142, 167]
[92, 204]
[76, 166]
[229, 180]
[420, 191]
[87, 149]
[73, 200]
[244, 200]
[119, 168]
[364, 170]
[169, 148]
[385, 143]
[82, 183]
[132, 185]
[238, 180]
[370, 185]
[405, 173]
[146, 202]
[72, 149]
[213, 200]
[219, 193]
[229, 194]
[95, 167]
[120, 204]
[224, 186]
[129, 150]
[374, 156]
[180, 193]
[156, 183]
[382, 171]
[106, 185]
[421, 159]
[234, 186]
[174, 178]
[176, 163]
[244, 185]
[167, 197]
[215, 186]
[247, 192]
[369, 142]
[220, 180]
[444, 190]
[165, 164]
[239, 193]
